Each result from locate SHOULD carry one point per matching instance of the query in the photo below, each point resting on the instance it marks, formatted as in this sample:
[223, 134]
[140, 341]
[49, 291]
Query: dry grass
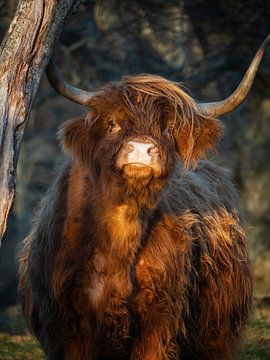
[17, 347]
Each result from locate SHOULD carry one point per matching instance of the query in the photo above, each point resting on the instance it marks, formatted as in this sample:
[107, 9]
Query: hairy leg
[159, 326]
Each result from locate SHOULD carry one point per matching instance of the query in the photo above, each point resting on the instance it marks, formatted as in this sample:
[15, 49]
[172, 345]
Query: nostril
[137, 149]
[129, 147]
[153, 150]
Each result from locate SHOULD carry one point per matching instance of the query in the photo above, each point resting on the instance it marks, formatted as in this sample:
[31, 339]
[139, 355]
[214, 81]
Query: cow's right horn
[239, 95]
[63, 88]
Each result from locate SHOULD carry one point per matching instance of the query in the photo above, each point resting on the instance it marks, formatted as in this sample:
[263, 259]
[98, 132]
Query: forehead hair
[153, 86]
[149, 94]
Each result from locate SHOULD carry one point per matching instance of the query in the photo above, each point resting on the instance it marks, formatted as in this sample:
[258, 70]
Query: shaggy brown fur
[125, 264]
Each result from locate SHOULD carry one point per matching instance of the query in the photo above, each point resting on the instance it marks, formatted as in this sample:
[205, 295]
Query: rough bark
[24, 54]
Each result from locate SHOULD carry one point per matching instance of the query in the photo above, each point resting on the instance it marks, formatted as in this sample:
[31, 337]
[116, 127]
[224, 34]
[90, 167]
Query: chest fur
[123, 275]
[112, 264]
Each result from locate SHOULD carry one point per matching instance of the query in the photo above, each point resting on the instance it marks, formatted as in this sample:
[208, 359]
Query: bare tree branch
[24, 54]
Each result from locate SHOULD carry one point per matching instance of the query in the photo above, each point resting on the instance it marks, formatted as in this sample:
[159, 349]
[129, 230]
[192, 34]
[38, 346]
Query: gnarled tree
[24, 54]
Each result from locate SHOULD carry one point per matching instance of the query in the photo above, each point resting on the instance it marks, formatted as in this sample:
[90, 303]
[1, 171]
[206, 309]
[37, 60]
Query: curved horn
[70, 92]
[240, 93]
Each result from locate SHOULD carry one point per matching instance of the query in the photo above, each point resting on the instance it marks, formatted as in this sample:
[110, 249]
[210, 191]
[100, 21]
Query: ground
[256, 344]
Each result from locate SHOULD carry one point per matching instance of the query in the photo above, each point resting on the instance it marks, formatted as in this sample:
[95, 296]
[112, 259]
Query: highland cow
[136, 251]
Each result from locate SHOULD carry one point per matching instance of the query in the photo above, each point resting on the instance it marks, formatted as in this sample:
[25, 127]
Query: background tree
[24, 53]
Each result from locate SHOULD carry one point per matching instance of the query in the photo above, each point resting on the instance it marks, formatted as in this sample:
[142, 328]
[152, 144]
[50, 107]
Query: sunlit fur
[123, 264]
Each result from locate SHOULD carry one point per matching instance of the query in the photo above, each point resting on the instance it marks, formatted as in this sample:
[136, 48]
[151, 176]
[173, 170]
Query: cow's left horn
[63, 88]
[239, 95]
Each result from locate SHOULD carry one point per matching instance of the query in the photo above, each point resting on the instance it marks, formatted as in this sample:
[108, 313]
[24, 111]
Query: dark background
[205, 45]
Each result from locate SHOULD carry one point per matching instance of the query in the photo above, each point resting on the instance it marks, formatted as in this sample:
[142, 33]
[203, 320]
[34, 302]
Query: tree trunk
[24, 54]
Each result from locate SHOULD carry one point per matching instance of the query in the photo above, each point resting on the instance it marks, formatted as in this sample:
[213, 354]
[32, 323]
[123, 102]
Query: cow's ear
[75, 138]
[195, 138]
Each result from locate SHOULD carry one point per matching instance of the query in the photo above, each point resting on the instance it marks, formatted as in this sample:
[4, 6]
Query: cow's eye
[169, 130]
[113, 127]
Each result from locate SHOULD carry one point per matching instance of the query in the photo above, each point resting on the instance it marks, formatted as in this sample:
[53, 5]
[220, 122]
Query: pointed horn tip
[265, 43]
[267, 38]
